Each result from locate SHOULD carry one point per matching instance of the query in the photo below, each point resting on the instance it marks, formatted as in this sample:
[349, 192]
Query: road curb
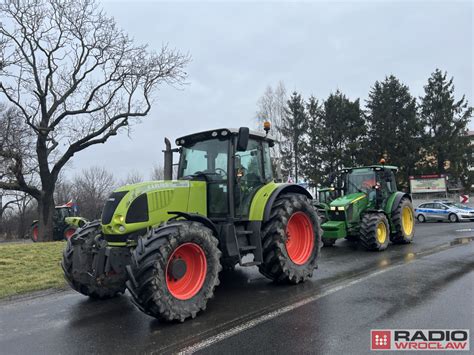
[33, 295]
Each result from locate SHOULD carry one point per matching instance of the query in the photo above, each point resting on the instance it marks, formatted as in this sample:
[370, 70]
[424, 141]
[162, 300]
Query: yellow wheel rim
[381, 233]
[407, 221]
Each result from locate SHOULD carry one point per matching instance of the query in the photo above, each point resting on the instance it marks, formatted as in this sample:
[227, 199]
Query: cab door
[249, 171]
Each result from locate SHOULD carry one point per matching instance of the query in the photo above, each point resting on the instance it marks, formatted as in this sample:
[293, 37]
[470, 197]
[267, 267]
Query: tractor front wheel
[403, 219]
[78, 265]
[174, 270]
[291, 240]
[374, 231]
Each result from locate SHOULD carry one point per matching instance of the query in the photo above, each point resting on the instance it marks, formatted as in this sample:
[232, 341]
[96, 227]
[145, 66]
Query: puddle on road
[463, 240]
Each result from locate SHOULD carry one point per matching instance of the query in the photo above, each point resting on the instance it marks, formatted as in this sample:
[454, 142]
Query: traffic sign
[464, 198]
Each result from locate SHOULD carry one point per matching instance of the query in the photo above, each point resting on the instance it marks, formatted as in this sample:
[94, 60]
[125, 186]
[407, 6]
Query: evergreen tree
[394, 128]
[335, 135]
[446, 121]
[293, 129]
[311, 167]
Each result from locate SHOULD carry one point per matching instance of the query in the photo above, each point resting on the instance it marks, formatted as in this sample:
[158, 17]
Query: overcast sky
[239, 48]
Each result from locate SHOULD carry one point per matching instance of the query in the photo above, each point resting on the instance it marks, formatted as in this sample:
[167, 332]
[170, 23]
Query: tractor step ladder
[244, 249]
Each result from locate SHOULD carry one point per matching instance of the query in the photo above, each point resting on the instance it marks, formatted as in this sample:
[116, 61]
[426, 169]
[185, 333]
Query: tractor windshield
[360, 180]
[208, 157]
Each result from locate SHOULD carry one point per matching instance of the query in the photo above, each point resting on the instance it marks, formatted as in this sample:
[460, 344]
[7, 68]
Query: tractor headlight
[333, 208]
[340, 208]
[119, 219]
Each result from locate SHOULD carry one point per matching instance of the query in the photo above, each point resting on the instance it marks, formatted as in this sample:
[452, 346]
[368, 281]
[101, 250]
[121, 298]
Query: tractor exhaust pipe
[168, 165]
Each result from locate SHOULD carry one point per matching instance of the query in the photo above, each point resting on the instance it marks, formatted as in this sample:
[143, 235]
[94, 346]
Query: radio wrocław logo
[420, 339]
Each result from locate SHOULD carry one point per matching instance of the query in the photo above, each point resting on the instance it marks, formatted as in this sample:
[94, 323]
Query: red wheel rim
[35, 233]
[189, 284]
[69, 233]
[300, 238]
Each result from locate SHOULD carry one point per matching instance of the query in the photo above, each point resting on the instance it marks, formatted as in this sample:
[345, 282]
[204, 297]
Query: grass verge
[26, 267]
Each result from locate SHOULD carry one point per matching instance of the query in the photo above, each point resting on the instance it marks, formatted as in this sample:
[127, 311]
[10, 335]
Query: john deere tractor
[167, 241]
[65, 223]
[371, 209]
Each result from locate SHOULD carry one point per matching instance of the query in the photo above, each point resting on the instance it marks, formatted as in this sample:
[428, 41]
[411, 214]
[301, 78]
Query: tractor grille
[160, 199]
[110, 206]
[337, 216]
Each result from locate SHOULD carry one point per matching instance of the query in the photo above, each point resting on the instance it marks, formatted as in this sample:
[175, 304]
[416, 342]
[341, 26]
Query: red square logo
[381, 339]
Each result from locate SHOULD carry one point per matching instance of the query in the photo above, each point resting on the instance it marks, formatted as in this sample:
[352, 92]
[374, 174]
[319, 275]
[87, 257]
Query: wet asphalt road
[427, 284]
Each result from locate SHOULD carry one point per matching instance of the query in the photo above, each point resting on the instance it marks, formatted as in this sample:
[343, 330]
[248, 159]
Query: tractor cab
[376, 181]
[62, 212]
[235, 164]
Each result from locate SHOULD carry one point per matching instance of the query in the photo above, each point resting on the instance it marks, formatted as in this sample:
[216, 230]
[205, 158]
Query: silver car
[444, 211]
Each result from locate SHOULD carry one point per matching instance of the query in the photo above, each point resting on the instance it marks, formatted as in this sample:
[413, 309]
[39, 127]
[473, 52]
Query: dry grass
[26, 267]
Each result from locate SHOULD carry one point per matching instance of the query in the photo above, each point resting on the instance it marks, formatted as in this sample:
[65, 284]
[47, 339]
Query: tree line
[422, 135]
[88, 190]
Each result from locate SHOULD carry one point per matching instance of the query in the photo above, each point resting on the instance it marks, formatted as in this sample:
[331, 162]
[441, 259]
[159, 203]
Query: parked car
[444, 211]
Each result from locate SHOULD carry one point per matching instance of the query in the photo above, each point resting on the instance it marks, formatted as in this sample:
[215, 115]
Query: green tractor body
[167, 241]
[65, 223]
[370, 210]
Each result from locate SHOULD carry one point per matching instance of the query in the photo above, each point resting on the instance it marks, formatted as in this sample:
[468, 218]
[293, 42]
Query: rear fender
[263, 200]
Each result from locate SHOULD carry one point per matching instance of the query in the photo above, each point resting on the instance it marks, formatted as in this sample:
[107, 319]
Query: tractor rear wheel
[77, 276]
[403, 219]
[174, 270]
[69, 232]
[291, 240]
[34, 232]
[374, 231]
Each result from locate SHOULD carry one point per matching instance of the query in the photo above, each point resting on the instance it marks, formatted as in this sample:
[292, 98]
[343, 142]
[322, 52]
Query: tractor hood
[347, 199]
[139, 206]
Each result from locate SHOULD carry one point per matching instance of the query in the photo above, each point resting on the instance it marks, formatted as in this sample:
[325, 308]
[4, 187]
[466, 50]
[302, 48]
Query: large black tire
[277, 264]
[77, 277]
[34, 232]
[150, 282]
[369, 237]
[403, 220]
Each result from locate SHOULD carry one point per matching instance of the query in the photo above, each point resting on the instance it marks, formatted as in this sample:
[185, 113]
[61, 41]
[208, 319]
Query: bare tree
[91, 189]
[5, 204]
[17, 204]
[271, 107]
[158, 172]
[76, 79]
[133, 177]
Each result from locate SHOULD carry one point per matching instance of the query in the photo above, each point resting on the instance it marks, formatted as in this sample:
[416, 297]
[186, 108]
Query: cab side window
[250, 176]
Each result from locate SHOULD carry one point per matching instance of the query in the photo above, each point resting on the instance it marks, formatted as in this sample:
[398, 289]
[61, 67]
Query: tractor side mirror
[243, 139]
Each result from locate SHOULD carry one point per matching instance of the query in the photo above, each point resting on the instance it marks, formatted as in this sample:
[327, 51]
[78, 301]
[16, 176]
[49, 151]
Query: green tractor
[167, 241]
[370, 210]
[65, 223]
[325, 196]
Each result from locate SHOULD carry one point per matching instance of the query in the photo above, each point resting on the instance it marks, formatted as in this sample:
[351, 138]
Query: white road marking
[465, 230]
[266, 317]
